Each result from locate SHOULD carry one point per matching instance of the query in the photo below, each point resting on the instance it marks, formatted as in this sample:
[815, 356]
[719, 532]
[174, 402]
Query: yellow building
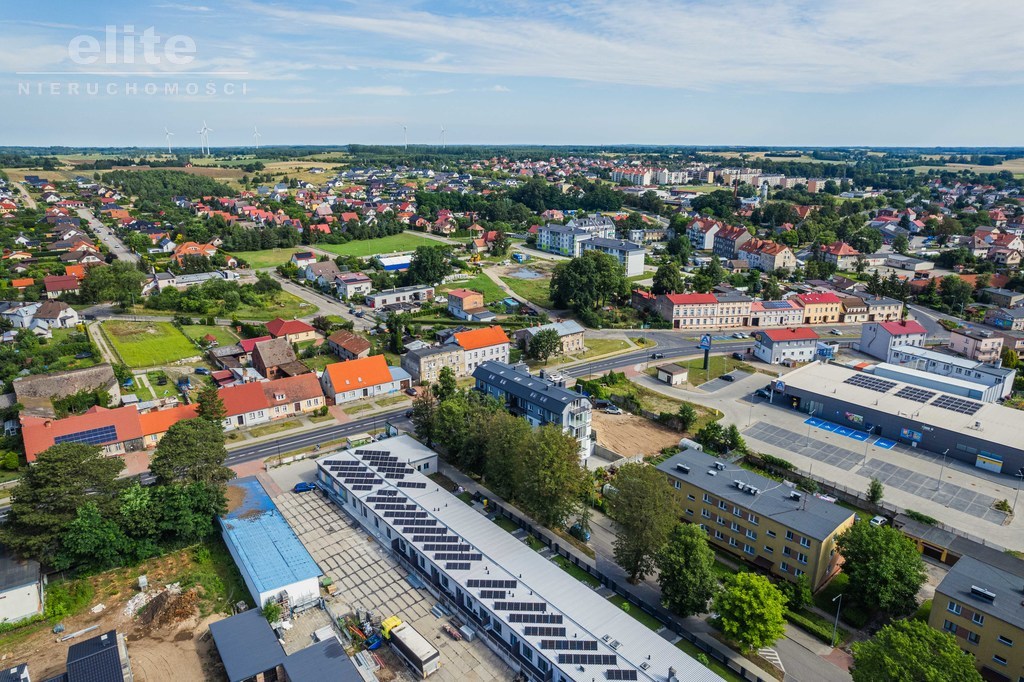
[766, 523]
[981, 605]
[821, 308]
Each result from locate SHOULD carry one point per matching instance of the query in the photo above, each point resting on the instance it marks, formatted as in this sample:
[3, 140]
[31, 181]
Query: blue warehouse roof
[265, 545]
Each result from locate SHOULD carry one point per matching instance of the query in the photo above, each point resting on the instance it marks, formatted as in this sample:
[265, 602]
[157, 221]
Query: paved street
[107, 236]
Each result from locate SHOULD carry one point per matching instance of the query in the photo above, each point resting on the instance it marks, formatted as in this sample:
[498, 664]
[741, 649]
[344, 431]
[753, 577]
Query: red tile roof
[481, 338]
[791, 334]
[361, 373]
[691, 299]
[39, 433]
[248, 344]
[280, 327]
[840, 249]
[899, 328]
[60, 282]
[294, 389]
[818, 299]
[243, 398]
[462, 293]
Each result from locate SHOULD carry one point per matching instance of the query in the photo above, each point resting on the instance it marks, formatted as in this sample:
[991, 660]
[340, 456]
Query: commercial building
[980, 604]
[482, 345]
[985, 435]
[538, 399]
[988, 382]
[704, 311]
[982, 345]
[820, 308]
[367, 377]
[394, 263]
[425, 364]
[776, 314]
[629, 255]
[534, 615]
[22, 586]
[570, 333]
[273, 562]
[413, 294]
[776, 528]
[878, 339]
[776, 346]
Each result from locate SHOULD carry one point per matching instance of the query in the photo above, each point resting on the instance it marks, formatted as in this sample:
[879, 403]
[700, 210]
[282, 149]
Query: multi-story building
[348, 346]
[367, 377]
[629, 255]
[765, 255]
[538, 399]
[882, 308]
[841, 255]
[729, 239]
[569, 332]
[775, 314]
[464, 303]
[823, 308]
[777, 529]
[424, 364]
[775, 346]
[413, 294]
[560, 239]
[481, 345]
[1004, 297]
[878, 339]
[701, 233]
[1005, 318]
[980, 604]
[596, 226]
[978, 380]
[704, 311]
[855, 311]
[349, 284]
[977, 344]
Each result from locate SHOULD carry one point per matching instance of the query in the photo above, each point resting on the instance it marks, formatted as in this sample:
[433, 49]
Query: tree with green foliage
[187, 510]
[446, 386]
[644, 510]
[751, 611]
[679, 248]
[798, 593]
[91, 542]
[1010, 357]
[543, 345]
[120, 282]
[48, 496]
[901, 244]
[686, 571]
[424, 415]
[909, 651]
[588, 282]
[272, 611]
[668, 279]
[551, 482]
[686, 416]
[955, 293]
[772, 289]
[875, 491]
[209, 404]
[505, 436]
[884, 567]
[708, 276]
[429, 265]
[192, 451]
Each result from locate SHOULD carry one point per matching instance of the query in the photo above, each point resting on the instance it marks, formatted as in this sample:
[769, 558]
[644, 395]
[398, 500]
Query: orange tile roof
[39, 433]
[280, 327]
[361, 373]
[243, 398]
[481, 338]
[75, 270]
[159, 421]
[25, 282]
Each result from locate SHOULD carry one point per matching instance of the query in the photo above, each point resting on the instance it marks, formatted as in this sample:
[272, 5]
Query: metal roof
[530, 585]
[267, 550]
[324, 661]
[969, 573]
[808, 516]
[246, 644]
[15, 572]
[525, 386]
[95, 660]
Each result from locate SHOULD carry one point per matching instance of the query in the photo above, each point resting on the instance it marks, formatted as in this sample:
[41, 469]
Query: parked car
[202, 370]
[761, 393]
[737, 355]
[579, 532]
[601, 402]
[739, 335]
[657, 356]
[351, 311]
[410, 391]
[728, 377]
[879, 521]
[835, 332]
[304, 487]
[613, 409]
[408, 414]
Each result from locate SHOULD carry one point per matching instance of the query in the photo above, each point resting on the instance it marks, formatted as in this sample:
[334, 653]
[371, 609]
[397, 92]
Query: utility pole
[942, 468]
[835, 626]
[1019, 475]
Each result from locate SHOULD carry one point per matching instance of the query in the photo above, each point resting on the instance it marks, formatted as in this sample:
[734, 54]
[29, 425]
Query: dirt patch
[630, 435]
[235, 496]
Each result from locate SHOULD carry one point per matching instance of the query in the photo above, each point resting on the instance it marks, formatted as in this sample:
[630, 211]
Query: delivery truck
[411, 645]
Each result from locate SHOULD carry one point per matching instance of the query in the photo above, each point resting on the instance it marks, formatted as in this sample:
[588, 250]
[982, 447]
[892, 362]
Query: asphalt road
[106, 236]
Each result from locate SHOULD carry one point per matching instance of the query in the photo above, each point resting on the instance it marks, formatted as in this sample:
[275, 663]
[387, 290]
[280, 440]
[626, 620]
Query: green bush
[776, 462]
[921, 518]
[814, 625]
[65, 599]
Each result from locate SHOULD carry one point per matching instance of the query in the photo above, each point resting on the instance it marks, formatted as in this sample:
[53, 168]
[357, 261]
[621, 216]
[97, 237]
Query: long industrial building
[534, 614]
[986, 435]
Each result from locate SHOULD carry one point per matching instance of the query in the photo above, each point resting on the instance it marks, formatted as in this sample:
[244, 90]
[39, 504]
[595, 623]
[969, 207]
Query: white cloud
[439, 91]
[378, 91]
[498, 88]
[795, 45]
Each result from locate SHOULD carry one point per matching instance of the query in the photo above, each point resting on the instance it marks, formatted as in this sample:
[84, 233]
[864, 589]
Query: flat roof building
[273, 562]
[982, 381]
[522, 605]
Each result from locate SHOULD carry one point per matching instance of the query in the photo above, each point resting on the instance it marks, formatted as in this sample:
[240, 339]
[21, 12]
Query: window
[722, 505]
[804, 542]
[721, 520]
[769, 550]
[689, 512]
[705, 513]
[691, 498]
[978, 618]
[748, 549]
[1005, 640]
[954, 608]
[949, 627]
[789, 535]
[753, 518]
[801, 557]
[770, 533]
[718, 535]
[707, 498]
[733, 543]
[676, 484]
[735, 527]
[752, 535]
[736, 511]
[999, 659]
[797, 572]
[786, 551]
[704, 528]
[784, 567]
[973, 637]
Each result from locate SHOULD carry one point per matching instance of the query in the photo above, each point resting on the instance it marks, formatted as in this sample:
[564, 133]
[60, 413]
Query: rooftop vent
[712, 472]
[987, 595]
[682, 467]
[794, 495]
[720, 466]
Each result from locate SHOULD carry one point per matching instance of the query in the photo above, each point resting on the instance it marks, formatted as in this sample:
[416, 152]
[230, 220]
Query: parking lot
[369, 579]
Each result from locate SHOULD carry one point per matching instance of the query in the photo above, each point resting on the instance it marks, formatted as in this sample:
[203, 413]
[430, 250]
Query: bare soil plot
[630, 435]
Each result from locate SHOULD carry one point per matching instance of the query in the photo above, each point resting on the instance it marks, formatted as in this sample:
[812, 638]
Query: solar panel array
[502, 584]
[773, 305]
[535, 618]
[411, 484]
[587, 659]
[948, 402]
[616, 674]
[918, 395]
[568, 644]
[456, 566]
[543, 631]
[104, 434]
[520, 606]
[493, 594]
[872, 383]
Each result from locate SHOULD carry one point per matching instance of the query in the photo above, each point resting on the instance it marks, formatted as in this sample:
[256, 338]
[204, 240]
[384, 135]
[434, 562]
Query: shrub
[776, 462]
[923, 518]
[702, 658]
[272, 611]
[814, 627]
[65, 599]
[1003, 506]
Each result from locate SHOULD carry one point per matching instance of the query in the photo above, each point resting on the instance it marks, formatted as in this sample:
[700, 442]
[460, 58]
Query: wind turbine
[204, 138]
[167, 137]
[443, 131]
[256, 136]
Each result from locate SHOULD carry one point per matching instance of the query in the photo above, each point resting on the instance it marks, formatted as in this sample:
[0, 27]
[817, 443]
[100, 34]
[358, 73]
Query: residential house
[882, 308]
[348, 346]
[295, 331]
[538, 400]
[322, 274]
[481, 345]
[570, 333]
[701, 233]
[463, 304]
[116, 431]
[728, 240]
[411, 294]
[103, 658]
[878, 339]
[820, 308]
[58, 285]
[367, 377]
[1006, 298]
[245, 405]
[775, 314]
[979, 603]
[21, 589]
[766, 256]
[276, 358]
[425, 364]
[181, 251]
[155, 423]
[704, 311]
[977, 344]
[302, 259]
[349, 284]
[1005, 318]
[19, 314]
[56, 314]
[777, 529]
[841, 255]
[560, 239]
[855, 310]
[293, 396]
[779, 346]
[81, 258]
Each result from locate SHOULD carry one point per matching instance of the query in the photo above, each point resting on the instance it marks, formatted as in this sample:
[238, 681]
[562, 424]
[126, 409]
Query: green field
[536, 291]
[717, 366]
[225, 337]
[597, 347]
[270, 258]
[147, 344]
[385, 245]
[285, 305]
[481, 283]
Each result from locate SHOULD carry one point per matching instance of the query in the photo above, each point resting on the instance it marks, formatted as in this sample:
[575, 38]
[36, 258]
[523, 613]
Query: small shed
[673, 374]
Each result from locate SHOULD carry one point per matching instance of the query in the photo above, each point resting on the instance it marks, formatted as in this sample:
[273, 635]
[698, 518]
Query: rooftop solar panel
[587, 659]
[872, 383]
[948, 402]
[568, 644]
[535, 618]
[616, 674]
[99, 436]
[916, 394]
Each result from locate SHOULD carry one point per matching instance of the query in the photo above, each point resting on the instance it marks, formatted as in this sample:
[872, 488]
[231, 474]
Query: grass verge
[636, 612]
[576, 572]
[713, 665]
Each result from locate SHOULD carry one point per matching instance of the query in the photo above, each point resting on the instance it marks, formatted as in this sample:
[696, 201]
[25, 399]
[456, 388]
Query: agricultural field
[148, 344]
[365, 248]
[481, 283]
[270, 258]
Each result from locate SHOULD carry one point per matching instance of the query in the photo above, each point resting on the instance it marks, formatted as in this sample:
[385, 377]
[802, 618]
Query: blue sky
[744, 72]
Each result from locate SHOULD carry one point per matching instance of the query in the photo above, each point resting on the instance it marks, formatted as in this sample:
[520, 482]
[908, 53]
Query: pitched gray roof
[246, 644]
[15, 572]
[808, 516]
[274, 352]
[1003, 581]
[525, 386]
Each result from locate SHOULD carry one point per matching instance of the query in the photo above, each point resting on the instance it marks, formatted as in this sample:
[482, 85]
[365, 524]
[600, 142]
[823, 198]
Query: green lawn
[285, 305]
[639, 614]
[145, 344]
[225, 337]
[717, 366]
[356, 409]
[536, 291]
[318, 363]
[270, 258]
[141, 392]
[576, 572]
[405, 241]
[275, 427]
[597, 347]
[714, 666]
[481, 283]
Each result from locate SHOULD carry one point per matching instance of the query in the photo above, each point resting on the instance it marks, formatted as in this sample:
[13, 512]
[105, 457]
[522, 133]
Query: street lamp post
[835, 626]
[942, 468]
[811, 414]
[1019, 475]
